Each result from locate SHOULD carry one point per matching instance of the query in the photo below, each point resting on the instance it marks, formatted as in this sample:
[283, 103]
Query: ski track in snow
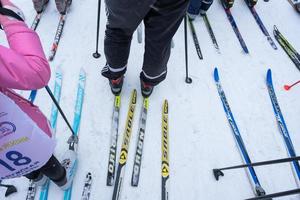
[200, 136]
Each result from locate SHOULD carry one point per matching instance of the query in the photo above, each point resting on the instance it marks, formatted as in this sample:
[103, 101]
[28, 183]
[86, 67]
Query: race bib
[24, 147]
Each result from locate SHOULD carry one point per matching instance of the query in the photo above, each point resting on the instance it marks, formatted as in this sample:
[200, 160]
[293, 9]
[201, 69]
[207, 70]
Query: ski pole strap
[8, 12]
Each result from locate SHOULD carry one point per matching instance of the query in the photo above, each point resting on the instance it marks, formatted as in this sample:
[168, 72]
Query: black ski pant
[52, 169]
[161, 19]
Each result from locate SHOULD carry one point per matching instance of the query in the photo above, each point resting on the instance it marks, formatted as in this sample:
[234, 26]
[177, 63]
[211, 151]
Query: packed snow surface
[200, 136]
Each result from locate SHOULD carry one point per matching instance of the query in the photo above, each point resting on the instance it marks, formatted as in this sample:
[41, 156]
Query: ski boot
[63, 5]
[39, 5]
[70, 164]
[40, 180]
[227, 4]
[146, 89]
[251, 3]
[116, 85]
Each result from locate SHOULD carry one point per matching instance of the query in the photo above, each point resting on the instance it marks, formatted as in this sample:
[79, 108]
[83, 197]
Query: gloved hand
[6, 18]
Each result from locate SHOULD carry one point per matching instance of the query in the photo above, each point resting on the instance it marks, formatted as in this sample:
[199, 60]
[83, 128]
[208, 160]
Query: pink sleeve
[23, 66]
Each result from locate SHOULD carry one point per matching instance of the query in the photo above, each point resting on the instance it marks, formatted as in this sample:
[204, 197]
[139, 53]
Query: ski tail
[73, 140]
[211, 33]
[125, 147]
[165, 169]
[236, 30]
[195, 39]
[114, 141]
[140, 143]
[57, 37]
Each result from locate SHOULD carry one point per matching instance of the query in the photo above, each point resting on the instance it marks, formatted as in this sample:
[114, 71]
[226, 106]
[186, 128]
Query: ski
[31, 191]
[114, 142]
[262, 26]
[281, 123]
[125, 147]
[195, 39]
[295, 4]
[140, 143]
[211, 33]
[73, 140]
[53, 122]
[165, 153]
[259, 191]
[87, 187]
[287, 47]
[236, 30]
[57, 37]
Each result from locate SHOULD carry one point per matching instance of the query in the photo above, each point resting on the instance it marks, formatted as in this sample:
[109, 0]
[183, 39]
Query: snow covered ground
[200, 136]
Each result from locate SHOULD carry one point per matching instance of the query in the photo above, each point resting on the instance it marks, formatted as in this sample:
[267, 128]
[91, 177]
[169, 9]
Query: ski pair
[73, 140]
[58, 33]
[287, 47]
[125, 145]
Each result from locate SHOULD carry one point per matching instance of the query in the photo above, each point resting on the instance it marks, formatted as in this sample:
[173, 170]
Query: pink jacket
[23, 66]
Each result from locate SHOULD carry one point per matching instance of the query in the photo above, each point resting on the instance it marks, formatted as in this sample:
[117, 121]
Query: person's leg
[205, 5]
[161, 23]
[52, 169]
[123, 17]
[194, 8]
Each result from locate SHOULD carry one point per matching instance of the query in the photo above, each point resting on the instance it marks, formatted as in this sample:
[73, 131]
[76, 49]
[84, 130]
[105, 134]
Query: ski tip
[166, 107]
[217, 173]
[269, 76]
[216, 74]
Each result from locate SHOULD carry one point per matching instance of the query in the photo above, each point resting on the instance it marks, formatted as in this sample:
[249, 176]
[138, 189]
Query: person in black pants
[161, 18]
[197, 7]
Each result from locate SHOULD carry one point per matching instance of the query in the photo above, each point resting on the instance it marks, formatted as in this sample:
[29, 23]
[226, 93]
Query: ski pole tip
[96, 55]
[217, 173]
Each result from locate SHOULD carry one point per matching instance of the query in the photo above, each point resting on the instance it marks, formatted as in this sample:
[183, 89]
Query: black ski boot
[227, 4]
[116, 85]
[252, 3]
[146, 89]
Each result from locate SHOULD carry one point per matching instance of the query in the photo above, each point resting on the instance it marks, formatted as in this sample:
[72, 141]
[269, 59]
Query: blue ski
[281, 123]
[73, 140]
[53, 121]
[259, 191]
[236, 30]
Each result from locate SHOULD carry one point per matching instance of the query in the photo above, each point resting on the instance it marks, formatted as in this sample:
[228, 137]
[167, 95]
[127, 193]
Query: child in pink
[26, 140]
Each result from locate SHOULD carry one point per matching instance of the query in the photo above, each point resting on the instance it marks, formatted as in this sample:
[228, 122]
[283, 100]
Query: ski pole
[188, 79]
[218, 172]
[278, 194]
[10, 189]
[97, 54]
[288, 87]
[59, 109]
